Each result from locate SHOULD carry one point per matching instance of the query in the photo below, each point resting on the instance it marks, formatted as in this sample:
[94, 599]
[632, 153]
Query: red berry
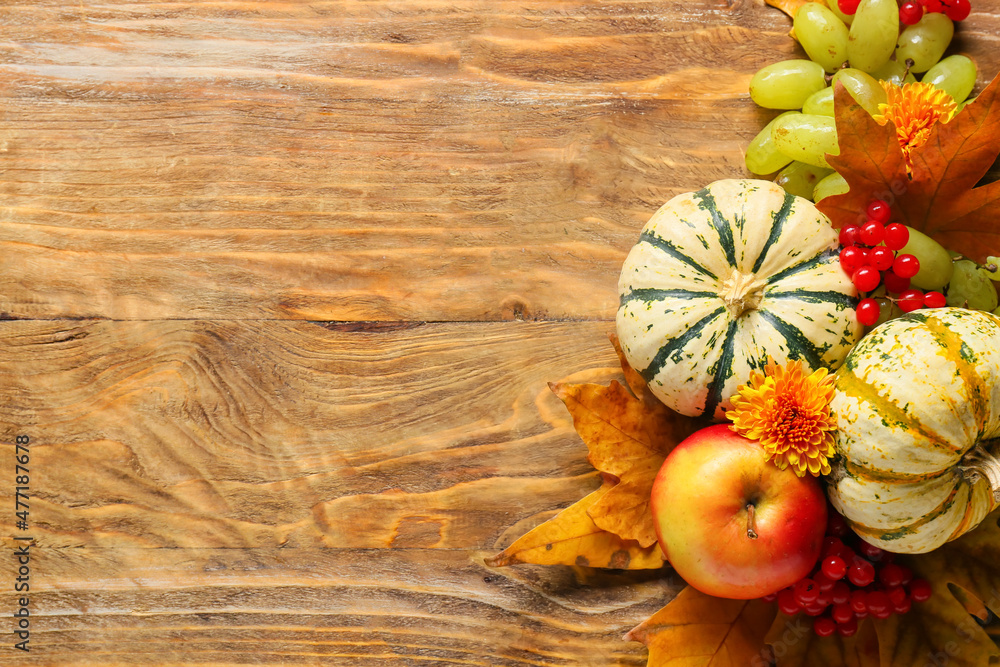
[933, 6]
[866, 278]
[934, 300]
[848, 6]
[848, 629]
[831, 544]
[858, 602]
[824, 627]
[920, 590]
[849, 235]
[841, 593]
[881, 257]
[852, 258]
[806, 591]
[842, 612]
[848, 555]
[896, 235]
[907, 574]
[814, 609]
[771, 597]
[861, 573]
[894, 283]
[836, 525]
[903, 607]
[910, 12]
[833, 566]
[824, 583]
[872, 232]
[910, 300]
[891, 575]
[871, 552]
[896, 594]
[958, 10]
[879, 603]
[906, 266]
[867, 312]
[879, 211]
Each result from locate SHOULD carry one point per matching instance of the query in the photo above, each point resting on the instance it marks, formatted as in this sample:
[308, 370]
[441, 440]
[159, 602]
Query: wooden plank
[298, 493]
[398, 159]
[325, 606]
[229, 434]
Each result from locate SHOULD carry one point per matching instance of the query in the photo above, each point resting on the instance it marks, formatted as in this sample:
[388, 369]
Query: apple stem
[751, 527]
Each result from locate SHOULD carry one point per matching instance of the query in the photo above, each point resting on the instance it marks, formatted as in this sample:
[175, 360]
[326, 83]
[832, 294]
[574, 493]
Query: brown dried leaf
[572, 538]
[698, 630]
[629, 439]
[794, 644]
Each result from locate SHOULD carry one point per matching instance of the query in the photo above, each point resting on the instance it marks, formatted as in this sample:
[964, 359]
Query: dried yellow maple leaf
[572, 538]
[629, 439]
[698, 630]
[794, 644]
[788, 6]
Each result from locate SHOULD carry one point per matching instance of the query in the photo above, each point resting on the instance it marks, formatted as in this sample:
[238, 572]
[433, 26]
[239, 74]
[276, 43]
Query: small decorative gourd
[723, 278]
[917, 409]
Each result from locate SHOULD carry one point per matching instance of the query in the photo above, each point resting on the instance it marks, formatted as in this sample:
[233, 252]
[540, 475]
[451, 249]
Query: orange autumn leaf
[698, 630]
[939, 197]
[794, 644]
[629, 439]
[787, 6]
[572, 538]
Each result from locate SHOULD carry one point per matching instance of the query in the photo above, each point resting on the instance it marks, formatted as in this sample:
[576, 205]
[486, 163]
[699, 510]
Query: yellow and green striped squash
[725, 277]
[917, 409]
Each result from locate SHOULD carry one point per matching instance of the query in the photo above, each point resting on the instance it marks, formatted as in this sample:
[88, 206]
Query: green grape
[935, 263]
[763, 157]
[806, 138]
[992, 268]
[820, 103]
[924, 42]
[822, 35]
[969, 287]
[894, 72]
[787, 84]
[834, 184]
[873, 34]
[863, 87]
[887, 308]
[800, 178]
[955, 75]
[835, 8]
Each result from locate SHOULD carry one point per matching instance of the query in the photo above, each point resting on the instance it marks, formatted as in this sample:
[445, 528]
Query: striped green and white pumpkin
[917, 408]
[725, 277]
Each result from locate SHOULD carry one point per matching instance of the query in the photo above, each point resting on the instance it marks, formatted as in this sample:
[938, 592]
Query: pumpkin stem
[980, 464]
[742, 292]
[751, 524]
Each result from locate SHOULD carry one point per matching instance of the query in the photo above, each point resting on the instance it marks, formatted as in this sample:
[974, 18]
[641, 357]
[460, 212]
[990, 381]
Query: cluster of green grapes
[859, 50]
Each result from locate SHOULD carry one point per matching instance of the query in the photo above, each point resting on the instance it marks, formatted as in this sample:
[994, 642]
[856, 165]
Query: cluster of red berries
[871, 258]
[842, 588]
[912, 11]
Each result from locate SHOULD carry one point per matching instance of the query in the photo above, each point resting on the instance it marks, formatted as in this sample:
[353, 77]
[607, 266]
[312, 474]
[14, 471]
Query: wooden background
[282, 284]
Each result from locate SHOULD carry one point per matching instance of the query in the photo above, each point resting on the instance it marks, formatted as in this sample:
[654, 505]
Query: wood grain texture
[294, 493]
[396, 159]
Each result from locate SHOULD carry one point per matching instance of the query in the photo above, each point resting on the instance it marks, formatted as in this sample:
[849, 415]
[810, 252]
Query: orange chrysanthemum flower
[789, 413]
[913, 109]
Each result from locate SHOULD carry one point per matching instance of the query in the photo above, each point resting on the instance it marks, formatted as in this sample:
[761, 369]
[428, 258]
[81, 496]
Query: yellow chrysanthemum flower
[789, 413]
[914, 108]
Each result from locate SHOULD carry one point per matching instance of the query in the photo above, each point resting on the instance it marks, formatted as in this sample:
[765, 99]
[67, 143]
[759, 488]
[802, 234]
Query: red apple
[731, 523]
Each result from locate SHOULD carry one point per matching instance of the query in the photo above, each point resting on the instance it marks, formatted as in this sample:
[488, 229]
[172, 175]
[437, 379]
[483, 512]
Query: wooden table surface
[282, 285]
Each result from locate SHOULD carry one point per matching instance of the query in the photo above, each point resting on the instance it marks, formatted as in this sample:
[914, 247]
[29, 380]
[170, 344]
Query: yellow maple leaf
[627, 438]
[572, 538]
[788, 6]
[794, 644]
[698, 630]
